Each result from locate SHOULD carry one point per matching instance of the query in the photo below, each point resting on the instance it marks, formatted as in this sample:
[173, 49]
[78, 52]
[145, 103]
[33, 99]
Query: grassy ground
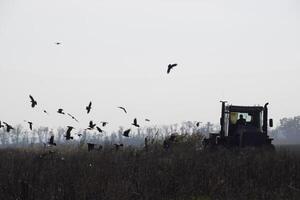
[182, 173]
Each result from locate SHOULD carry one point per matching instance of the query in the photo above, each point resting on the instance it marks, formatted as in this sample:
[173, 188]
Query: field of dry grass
[183, 172]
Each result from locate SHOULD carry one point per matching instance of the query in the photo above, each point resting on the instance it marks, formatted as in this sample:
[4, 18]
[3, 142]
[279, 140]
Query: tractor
[242, 126]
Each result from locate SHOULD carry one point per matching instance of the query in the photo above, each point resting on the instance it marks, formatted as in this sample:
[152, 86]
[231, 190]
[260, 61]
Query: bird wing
[71, 115]
[169, 69]
[69, 130]
[123, 109]
[127, 131]
[9, 127]
[31, 98]
[30, 125]
[170, 66]
[88, 108]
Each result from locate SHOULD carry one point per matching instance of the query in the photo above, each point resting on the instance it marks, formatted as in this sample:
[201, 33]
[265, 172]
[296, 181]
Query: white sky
[116, 52]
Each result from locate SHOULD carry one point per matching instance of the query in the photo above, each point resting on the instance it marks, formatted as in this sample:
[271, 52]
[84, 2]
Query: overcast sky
[116, 52]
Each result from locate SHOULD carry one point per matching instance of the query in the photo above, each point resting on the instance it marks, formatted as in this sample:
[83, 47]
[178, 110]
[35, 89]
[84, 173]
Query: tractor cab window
[250, 118]
[236, 117]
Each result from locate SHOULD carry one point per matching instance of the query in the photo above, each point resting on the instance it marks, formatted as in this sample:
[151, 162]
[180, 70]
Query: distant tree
[4, 138]
[120, 134]
[33, 137]
[42, 134]
[16, 134]
[288, 130]
[113, 138]
[60, 133]
[25, 139]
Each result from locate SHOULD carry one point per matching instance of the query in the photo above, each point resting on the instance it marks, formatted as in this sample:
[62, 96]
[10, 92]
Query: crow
[89, 107]
[58, 43]
[170, 66]
[79, 134]
[61, 111]
[123, 109]
[126, 133]
[30, 125]
[99, 129]
[147, 120]
[68, 134]
[104, 123]
[91, 125]
[33, 102]
[8, 127]
[198, 124]
[72, 117]
[45, 111]
[135, 123]
[51, 141]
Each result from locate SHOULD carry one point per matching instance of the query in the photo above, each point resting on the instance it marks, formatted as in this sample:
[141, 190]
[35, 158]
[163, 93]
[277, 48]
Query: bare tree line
[20, 137]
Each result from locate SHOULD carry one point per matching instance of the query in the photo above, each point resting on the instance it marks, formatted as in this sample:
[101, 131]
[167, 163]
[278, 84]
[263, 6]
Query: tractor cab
[242, 126]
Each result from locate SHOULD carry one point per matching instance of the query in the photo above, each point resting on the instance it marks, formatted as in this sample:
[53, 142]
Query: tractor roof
[233, 108]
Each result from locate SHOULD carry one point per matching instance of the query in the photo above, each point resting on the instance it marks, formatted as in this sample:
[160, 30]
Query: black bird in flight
[89, 107]
[198, 124]
[8, 127]
[147, 120]
[72, 117]
[91, 125]
[33, 102]
[45, 111]
[79, 134]
[68, 134]
[104, 123]
[61, 111]
[30, 125]
[1, 126]
[99, 129]
[51, 141]
[126, 133]
[58, 43]
[123, 109]
[170, 66]
[135, 123]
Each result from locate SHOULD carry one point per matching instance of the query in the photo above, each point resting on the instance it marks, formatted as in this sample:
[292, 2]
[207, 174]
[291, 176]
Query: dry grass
[181, 172]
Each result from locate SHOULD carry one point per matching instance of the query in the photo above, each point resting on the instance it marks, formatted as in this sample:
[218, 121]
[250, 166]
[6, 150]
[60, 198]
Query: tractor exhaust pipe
[265, 119]
[222, 119]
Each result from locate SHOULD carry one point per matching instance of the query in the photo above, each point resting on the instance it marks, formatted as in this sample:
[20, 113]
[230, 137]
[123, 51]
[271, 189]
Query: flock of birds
[91, 125]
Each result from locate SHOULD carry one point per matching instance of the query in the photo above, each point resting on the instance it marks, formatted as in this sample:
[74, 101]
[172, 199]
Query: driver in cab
[241, 121]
